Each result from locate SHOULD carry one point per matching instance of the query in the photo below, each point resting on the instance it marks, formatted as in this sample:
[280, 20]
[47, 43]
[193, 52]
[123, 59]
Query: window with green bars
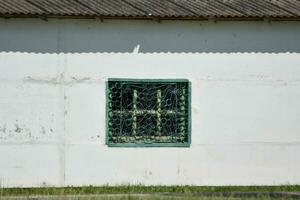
[148, 112]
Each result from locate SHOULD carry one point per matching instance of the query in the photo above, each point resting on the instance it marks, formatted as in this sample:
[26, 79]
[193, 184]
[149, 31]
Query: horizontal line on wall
[29, 143]
[103, 144]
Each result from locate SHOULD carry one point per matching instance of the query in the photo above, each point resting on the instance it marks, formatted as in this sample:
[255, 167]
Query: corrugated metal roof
[194, 9]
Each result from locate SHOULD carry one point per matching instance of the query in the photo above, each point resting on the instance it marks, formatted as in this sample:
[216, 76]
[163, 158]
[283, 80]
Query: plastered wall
[245, 101]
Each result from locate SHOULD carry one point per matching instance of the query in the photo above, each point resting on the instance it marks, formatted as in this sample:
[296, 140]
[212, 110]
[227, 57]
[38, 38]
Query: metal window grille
[148, 112]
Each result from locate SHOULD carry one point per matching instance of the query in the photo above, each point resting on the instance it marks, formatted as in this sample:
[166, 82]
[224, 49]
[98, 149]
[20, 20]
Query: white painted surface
[245, 101]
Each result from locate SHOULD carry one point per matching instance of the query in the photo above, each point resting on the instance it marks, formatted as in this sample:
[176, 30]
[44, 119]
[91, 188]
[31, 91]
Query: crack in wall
[60, 80]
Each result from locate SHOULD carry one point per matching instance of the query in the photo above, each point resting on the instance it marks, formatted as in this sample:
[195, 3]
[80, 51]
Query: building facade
[245, 110]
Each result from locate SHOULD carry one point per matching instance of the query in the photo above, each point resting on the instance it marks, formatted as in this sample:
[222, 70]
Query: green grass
[137, 189]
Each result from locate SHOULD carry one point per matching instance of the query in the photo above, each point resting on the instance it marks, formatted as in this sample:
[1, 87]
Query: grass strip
[143, 189]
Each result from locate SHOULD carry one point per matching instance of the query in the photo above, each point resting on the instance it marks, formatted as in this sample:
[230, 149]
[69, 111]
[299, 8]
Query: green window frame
[148, 112]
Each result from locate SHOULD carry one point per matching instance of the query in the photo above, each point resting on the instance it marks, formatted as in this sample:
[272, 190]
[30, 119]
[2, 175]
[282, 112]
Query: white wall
[245, 101]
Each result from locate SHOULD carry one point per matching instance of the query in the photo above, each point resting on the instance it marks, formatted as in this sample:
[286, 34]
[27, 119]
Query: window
[148, 112]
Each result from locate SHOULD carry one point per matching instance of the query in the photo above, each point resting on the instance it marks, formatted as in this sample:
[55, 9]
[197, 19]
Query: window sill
[148, 145]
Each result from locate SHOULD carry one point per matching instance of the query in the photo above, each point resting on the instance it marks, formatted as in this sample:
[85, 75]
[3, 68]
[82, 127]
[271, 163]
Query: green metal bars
[148, 112]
